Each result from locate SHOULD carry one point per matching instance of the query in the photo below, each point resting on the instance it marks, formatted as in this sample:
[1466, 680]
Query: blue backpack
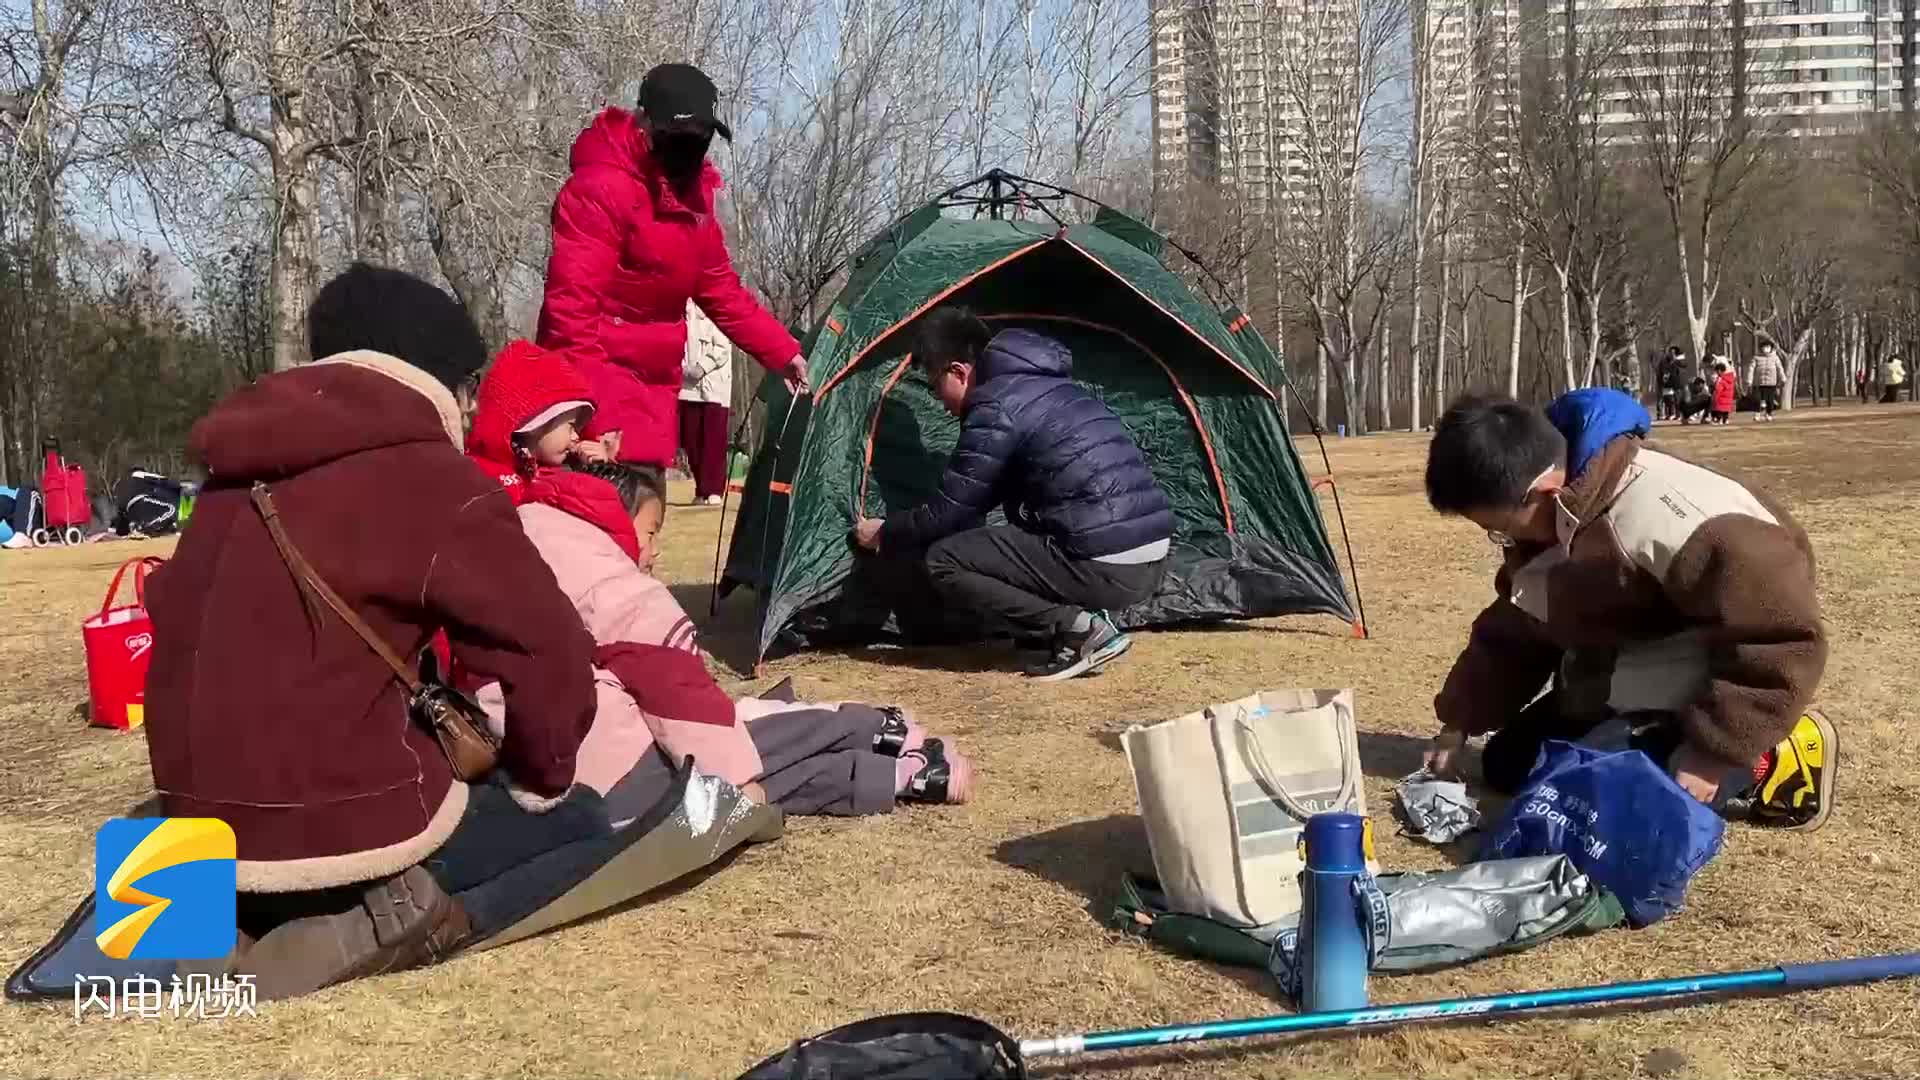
[1620, 819]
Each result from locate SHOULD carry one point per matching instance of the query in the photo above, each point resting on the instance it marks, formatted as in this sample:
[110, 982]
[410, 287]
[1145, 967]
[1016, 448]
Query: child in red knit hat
[532, 407]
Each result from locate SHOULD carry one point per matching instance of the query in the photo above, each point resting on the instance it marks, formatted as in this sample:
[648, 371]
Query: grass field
[986, 909]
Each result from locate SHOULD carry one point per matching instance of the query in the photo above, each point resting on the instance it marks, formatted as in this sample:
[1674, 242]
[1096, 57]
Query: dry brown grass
[985, 909]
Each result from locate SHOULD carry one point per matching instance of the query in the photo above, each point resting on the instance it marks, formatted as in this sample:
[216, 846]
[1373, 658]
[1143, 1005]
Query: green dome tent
[1198, 389]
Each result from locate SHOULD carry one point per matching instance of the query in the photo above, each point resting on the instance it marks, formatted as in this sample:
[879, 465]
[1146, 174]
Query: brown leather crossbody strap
[311, 582]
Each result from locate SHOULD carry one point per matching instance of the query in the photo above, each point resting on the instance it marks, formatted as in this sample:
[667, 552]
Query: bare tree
[1551, 175]
[1689, 91]
[53, 90]
[1887, 158]
[1331, 65]
[1798, 284]
[1105, 46]
[813, 179]
[1444, 108]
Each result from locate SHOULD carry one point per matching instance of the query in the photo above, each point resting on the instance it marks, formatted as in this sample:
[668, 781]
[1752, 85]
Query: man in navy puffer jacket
[1088, 530]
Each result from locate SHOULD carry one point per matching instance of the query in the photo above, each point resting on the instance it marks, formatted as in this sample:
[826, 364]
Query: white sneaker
[711, 500]
[18, 540]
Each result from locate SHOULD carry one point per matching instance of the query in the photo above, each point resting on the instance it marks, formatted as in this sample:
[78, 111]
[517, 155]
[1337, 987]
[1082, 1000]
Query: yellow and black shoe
[1793, 787]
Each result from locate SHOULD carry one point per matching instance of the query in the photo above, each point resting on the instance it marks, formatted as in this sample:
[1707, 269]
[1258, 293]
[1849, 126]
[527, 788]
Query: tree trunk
[295, 240]
[372, 237]
[1792, 377]
[1360, 390]
[1279, 290]
[1440, 335]
[1418, 302]
[1464, 364]
[1855, 346]
[6, 445]
[1566, 327]
[1593, 342]
[1383, 376]
[1320, 382]
[293, 260]
[1519, 317]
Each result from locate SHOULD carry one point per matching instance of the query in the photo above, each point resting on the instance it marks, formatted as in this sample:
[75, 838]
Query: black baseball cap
[676, 94]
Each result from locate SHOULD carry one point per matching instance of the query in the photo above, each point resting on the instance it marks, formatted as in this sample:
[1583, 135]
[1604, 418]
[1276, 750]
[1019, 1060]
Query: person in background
[1893, 379]
[1697, 401]
[1725, 395]
[706, 395]
[1646, 588]
[1671, 377]
[635, 237]
[1769, 375]
[1088, 527]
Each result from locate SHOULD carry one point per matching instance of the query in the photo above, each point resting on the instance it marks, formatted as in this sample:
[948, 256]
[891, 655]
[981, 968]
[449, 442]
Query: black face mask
[680, 153]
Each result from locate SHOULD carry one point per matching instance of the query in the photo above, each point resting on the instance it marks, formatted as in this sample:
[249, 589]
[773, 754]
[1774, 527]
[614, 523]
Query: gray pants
[815, 761]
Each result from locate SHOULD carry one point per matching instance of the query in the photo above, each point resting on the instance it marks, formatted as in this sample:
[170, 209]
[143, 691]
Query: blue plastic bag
[1620, 819]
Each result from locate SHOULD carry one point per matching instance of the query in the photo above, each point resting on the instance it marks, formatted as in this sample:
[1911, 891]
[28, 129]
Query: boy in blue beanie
[1646, 587]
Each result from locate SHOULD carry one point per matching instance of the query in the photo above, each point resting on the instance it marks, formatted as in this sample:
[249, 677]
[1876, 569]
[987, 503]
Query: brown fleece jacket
[269, 712]
[1674, 589]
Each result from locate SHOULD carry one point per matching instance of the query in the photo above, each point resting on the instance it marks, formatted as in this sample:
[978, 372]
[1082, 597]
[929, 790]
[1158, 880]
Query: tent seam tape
[873, 433]
[1198, 336]
[835, 378]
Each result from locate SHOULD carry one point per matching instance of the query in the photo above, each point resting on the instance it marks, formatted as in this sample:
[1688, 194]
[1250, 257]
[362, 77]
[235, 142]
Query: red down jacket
[628, 253]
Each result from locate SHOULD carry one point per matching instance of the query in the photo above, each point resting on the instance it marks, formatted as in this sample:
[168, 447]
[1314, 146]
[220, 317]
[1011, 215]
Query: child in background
[532, 407]
[597, 528]
[1723, 393]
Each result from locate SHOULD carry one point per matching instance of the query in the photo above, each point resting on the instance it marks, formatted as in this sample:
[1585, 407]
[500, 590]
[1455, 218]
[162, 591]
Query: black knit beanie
[391, 311]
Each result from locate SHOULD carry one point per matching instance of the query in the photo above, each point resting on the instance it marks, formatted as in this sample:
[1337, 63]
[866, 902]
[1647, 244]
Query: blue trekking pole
[1786, 978]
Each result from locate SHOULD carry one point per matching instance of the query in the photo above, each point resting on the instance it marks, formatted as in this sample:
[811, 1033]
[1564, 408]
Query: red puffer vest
[629, 251]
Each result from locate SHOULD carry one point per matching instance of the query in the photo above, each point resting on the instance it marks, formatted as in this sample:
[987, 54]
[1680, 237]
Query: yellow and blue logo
[164, 888]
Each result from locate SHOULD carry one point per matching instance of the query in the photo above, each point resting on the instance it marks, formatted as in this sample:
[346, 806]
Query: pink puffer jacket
[619, 603]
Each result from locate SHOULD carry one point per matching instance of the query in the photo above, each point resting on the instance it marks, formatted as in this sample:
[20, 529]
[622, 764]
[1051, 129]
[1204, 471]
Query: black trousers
[1511, 751]
[1768, 398]
[1025, 583]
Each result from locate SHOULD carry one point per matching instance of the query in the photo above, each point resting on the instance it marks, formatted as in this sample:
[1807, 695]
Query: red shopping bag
[119, 644]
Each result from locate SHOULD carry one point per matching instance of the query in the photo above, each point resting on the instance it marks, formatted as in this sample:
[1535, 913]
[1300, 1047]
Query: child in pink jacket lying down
[596, 529]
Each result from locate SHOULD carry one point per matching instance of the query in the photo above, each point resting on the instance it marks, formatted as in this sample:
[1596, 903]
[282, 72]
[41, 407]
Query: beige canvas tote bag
[1226, 791]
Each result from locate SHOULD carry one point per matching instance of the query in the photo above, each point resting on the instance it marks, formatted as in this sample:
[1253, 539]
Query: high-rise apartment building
[1234, 81]
[1228, 91]
[1817, 67]
[1220, 107]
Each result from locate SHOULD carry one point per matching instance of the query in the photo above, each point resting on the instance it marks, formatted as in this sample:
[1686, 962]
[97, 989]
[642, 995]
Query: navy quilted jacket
[1049, 452]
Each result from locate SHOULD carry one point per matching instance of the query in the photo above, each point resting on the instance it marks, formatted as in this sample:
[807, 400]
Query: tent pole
[1346, 538]
[726, 489]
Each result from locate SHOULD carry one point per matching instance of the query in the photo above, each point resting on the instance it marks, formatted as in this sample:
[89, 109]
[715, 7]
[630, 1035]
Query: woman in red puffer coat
[635, 238]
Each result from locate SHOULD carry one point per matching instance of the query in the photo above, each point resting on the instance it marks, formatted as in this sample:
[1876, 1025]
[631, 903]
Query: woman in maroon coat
[635, 238]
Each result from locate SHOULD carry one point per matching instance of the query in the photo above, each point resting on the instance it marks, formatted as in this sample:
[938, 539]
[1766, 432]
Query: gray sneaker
[1076, 654]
